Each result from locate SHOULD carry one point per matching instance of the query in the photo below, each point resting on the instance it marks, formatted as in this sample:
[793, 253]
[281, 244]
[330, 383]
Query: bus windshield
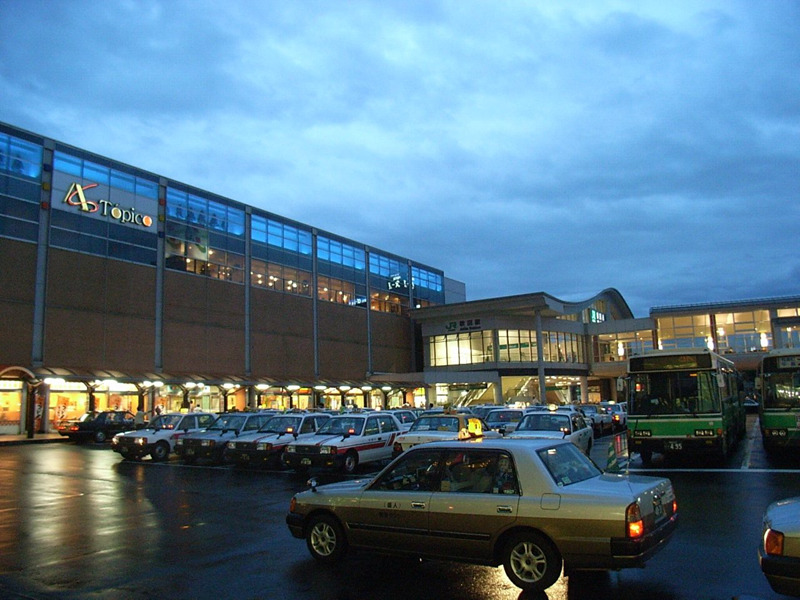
[782, 389]
[679, 392]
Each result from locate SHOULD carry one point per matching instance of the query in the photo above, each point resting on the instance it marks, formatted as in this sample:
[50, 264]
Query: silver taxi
[556, 424]
[779, 552]
[533, 505]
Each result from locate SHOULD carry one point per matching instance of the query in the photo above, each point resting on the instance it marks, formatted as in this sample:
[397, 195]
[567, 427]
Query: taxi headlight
[290, 449]
[179, 442]
[207, 443]
[327, 450]
[231, 445]
[141, 441]
[264, 446]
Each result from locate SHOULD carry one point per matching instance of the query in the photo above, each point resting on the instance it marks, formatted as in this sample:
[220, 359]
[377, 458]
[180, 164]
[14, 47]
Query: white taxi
[443, 426]
[345, 441]
[556, 424]
[159, 437]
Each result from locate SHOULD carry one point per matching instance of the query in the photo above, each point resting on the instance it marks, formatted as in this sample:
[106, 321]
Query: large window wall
[102, 210]
[513, 346]
[736, 332]
[281, 258]
[341, 272]
[204, 236]
[611, 347]
[20, 192]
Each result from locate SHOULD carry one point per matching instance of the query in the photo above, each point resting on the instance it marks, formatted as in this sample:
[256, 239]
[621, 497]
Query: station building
[121, 288]
[535, 348]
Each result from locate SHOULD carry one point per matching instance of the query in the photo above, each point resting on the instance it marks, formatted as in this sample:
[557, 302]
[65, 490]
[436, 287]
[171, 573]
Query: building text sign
[76, 197]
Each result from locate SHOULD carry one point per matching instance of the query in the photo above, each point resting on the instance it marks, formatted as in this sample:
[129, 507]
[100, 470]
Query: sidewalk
[39, 438]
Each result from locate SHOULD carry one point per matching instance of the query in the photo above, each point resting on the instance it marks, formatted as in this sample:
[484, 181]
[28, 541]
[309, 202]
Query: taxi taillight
[634, 525]
[773, 542]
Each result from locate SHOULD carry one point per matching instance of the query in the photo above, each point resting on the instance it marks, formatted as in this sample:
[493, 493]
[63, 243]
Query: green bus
[683, 402]
[778, 385]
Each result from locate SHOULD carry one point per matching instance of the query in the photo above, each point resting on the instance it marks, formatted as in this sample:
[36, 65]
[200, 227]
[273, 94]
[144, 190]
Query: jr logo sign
[75, 196]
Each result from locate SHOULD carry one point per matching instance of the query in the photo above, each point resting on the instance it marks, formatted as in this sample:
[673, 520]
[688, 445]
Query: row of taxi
[303, 440]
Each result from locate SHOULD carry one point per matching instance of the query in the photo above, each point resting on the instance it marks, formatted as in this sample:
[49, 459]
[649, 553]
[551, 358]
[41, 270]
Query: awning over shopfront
[394, 381]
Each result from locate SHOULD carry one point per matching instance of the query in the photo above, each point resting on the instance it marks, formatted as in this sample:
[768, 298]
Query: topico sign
[75, 196]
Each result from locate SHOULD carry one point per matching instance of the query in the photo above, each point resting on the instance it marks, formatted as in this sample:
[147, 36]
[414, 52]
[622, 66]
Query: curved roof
[525, 304]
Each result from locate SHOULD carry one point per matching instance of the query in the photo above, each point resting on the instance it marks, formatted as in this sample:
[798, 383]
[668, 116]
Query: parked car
[266, 445]
[158, 438]
[504, 420]
[556, 424]
[345, 441]
[97, 426]
[406, 417]
[438, 427]
[779, 552]
[209, 444]
[533, 506]
[619, 414]
[601, 420]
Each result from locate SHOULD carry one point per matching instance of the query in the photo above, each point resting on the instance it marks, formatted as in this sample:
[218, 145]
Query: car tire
[350, 463]
[100, 436]
[531, 561]
[160, 451]
[325, 539]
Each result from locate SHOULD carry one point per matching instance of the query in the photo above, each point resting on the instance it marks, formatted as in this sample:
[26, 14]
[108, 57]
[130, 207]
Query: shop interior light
[293, 387]
[387, 388]
[262, 386]
[344, 388]
[190, 385]
[320, 388]
[52, 381]
[366, 388]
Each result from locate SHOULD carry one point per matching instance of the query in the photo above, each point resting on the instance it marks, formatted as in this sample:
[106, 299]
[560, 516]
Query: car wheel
[531, 562]
[325, 539]
[350, 462]
[160, 451]
[100, 436]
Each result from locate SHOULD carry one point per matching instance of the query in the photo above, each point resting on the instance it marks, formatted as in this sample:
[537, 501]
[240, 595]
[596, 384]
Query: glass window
[414, 472]
[20, 158]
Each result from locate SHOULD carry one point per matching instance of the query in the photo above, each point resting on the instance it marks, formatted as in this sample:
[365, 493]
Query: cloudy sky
[520, 146]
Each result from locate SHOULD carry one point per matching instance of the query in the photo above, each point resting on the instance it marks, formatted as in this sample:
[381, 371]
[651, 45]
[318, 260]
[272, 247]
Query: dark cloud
[519, 146]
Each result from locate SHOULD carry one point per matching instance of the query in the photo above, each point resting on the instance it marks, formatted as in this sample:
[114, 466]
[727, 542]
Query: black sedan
[97, 426]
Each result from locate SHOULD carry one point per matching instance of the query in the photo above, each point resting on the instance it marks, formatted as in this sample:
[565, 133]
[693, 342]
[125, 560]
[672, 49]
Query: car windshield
[544, 422]
[436, 424]
[282, 424]
[342, 425]
[165, 422]
[89, 416]
[567, 464]
[505, 416]
[228, 422]
[589, 409]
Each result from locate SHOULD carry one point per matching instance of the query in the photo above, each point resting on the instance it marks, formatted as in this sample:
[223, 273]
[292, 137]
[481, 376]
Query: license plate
[673, 445]
[305, 461]
[658, 508]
